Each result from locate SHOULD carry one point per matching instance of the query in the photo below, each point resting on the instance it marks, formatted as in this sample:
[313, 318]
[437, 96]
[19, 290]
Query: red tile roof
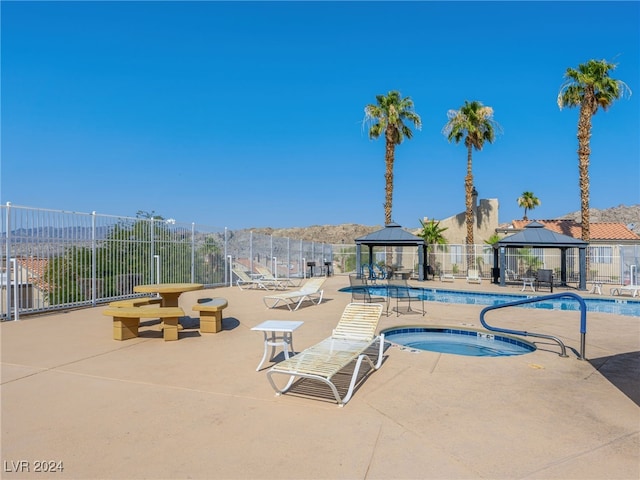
[36, 269]
[598, 231]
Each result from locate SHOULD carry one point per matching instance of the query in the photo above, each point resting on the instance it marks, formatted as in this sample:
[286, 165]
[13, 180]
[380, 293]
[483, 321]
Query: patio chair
[369, 273]
[354, 335]
[473, 276]
[544, 276]
[360, 292]
[382, 273]
[511, 276]
[400, 290]
[310, 290]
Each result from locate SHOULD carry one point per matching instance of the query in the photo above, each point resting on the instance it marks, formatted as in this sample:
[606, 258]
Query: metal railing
[583, 320]
[53, 259]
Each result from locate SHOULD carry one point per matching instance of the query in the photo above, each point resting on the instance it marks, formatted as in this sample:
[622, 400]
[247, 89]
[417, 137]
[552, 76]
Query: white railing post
[94, 260]
[157, 263]
[7, 260]
[14, 267]
[193, 252]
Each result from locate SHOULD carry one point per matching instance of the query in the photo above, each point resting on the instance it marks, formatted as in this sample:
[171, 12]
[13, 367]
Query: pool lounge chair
[473, 276]
[266, 275]
[633, 290]
[246, 280]
[354, 335]
[310, 290]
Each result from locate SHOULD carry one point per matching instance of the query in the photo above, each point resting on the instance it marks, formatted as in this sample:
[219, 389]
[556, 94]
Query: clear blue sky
[249, 114]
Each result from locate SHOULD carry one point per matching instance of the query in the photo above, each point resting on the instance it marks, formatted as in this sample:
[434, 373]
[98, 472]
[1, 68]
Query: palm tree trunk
[388, 177]
[584, 152]
[469, 217]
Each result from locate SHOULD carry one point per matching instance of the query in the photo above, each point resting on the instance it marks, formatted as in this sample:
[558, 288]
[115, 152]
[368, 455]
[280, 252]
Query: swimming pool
[458, 341]
[615, 306]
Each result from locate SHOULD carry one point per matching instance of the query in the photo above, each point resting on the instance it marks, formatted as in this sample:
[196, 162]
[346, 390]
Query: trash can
[495, 275]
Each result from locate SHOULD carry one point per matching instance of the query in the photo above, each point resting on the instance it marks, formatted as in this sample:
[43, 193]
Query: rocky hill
[347, 233]
[334, 234]
[620, 214]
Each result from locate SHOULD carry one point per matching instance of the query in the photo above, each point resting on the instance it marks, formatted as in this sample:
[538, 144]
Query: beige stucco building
[485, 225]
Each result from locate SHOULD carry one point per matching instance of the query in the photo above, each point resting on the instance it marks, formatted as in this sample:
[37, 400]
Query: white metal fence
[608, 264]
[53, 259]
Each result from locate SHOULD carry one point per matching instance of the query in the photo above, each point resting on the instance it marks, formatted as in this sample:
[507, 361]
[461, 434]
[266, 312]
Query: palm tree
[589, 87]
[493, 239]
[431, 233]
[474, 123]
[528, 201]
[388, 117]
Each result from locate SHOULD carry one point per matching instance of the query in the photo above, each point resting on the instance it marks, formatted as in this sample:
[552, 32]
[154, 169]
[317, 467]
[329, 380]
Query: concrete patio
[196, 407]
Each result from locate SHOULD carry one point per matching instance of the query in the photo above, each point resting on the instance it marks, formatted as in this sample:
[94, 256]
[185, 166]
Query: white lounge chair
[352, 337]
[473, 276]
[244, 279]
[634, 290]
[310, 290]
[266, 275]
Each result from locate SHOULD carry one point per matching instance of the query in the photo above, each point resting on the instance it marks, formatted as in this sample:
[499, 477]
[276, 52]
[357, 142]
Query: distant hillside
[620, 214]
[334, 234]
[347, 233]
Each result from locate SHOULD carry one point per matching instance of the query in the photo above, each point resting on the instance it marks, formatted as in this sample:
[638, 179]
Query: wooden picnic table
[170, 292]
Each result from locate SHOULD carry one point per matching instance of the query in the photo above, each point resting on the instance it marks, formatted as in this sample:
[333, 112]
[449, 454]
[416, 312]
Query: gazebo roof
[535, 235]
[391, 235]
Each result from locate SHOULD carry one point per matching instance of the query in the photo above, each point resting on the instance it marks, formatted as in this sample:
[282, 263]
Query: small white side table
[528, 281]
[277, 333]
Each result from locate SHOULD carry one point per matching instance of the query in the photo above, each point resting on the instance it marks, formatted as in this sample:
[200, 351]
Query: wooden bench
[447, 277]
[136, 302]
[126, 320]
[211, 314]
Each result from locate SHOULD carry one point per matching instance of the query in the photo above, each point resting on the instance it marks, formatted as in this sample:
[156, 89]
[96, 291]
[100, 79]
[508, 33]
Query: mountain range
[348, 232]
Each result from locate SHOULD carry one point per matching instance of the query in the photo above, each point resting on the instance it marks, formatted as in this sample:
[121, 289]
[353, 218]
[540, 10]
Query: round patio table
[169, 292]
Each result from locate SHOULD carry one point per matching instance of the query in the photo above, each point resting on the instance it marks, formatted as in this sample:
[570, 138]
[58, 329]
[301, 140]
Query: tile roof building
[601, 233]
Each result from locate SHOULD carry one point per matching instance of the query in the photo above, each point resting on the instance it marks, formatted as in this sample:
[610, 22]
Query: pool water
[457, 341]
[614, 306]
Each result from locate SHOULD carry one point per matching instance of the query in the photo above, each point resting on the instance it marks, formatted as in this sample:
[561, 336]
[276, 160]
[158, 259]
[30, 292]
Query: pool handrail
[583, 320]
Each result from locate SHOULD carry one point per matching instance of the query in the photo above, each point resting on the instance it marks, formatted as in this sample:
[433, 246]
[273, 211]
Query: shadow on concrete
[228, 323]
[623, 371]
